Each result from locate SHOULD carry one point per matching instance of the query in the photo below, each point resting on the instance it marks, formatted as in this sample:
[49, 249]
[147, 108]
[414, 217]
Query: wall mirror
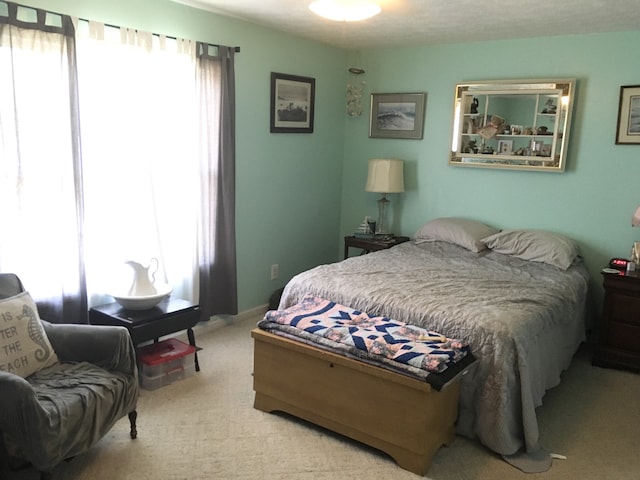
[512, 124]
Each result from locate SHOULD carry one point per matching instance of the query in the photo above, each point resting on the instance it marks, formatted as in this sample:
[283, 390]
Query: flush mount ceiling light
[345, 10]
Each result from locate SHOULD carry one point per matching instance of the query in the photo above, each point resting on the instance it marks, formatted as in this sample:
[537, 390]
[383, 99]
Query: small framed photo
[505, 147]
[628, 130]
[545, 150]
[397, 115]
[292, 103]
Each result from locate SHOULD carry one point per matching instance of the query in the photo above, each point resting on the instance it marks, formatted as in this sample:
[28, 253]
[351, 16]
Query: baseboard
[219, 321]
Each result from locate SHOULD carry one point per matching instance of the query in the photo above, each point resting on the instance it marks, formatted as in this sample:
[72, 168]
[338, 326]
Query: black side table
[169, 316]
[371, 244]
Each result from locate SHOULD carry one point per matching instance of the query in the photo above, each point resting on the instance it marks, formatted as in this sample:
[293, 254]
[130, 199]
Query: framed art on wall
[292, 103]
[628, 130]
[397, 115]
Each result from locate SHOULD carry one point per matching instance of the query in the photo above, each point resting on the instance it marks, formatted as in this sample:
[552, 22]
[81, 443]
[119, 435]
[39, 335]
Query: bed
[520, 304]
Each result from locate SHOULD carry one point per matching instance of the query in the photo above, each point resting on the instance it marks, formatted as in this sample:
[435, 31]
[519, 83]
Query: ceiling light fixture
[345, 10]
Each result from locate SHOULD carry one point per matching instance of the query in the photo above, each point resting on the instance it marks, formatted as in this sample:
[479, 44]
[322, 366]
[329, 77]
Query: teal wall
[592, 201]
[298, 194]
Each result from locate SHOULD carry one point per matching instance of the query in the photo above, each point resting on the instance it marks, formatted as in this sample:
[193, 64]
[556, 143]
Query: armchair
[62, 410]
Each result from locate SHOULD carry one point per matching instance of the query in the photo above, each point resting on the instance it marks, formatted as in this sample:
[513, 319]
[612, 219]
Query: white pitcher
[143, 278]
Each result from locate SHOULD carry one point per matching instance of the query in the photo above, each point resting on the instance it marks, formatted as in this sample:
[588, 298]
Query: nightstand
[169, 316]
[619, 334]
[370, 244]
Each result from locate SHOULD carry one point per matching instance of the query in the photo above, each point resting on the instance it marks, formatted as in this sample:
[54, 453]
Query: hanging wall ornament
[355, 91]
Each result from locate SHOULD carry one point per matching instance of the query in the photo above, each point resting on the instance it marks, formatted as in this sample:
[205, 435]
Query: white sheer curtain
[116, 145]
[40, 175]
[140, 156]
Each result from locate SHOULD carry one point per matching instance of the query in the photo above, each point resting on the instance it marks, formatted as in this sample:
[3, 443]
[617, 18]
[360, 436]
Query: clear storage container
[165, 362]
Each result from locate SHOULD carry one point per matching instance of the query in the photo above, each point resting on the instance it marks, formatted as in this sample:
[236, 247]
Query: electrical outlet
[275, 270]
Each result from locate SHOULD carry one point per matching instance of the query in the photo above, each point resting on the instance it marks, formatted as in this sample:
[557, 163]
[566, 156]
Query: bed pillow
[535, 245]
[460, 231]
[24, 346]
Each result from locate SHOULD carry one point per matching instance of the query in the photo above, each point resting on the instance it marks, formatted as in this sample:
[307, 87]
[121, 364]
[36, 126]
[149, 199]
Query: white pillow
[460, 231]
[24, 346]
[535, 245]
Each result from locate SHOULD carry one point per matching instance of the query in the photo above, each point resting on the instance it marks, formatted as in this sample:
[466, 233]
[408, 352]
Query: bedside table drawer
[624, 309]
[624, 336]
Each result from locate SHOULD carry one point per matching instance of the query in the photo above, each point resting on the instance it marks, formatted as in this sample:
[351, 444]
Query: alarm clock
[619, 263]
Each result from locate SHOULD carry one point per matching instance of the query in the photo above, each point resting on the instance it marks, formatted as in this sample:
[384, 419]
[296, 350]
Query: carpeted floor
[205, 427]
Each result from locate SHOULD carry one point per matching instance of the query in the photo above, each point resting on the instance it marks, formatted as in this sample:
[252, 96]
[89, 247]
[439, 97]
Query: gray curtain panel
[217, 256]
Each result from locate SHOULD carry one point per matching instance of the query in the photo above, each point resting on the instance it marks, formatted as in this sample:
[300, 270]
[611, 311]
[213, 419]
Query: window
[116, 159]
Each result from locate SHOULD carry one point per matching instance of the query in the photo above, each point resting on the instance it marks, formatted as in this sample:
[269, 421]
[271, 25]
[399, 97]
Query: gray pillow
[535, 245]
[459, 231]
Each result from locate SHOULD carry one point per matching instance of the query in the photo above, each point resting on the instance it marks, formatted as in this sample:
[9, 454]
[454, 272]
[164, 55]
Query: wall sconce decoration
[355, 91]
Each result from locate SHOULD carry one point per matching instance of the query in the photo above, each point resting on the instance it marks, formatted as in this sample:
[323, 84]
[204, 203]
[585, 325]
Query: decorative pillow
[460, 231]
[24, 346]
[535, 245]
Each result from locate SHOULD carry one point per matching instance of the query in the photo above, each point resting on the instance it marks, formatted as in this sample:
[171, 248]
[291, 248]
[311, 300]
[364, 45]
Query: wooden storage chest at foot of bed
[401, 416]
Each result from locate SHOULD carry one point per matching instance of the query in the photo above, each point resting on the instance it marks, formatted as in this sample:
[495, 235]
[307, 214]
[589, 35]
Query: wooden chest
[401, 416]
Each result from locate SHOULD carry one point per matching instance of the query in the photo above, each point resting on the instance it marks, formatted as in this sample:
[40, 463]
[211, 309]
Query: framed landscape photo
[292, 102]
[628, 131]
[397, 115]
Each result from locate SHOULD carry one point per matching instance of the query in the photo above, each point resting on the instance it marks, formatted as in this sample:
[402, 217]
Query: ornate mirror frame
[512, 124]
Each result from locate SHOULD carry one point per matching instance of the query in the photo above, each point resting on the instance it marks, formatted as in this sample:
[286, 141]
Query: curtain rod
[236, 48]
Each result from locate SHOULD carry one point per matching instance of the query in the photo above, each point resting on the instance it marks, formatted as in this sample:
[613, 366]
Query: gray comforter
[524, 321]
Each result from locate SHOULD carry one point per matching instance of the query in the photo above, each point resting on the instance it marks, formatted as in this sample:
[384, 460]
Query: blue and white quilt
[380, 340]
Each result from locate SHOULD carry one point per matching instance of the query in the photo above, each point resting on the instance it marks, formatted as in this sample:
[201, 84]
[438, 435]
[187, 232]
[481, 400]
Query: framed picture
[505, 147]
[628, 131]
[397, 115]
[545, 150]
[292, 101]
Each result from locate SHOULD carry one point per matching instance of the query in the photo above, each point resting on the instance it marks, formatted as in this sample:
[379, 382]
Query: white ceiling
[428, 22]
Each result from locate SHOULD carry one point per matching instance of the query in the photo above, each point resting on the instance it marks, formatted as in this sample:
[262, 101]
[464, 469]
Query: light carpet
[205, 427]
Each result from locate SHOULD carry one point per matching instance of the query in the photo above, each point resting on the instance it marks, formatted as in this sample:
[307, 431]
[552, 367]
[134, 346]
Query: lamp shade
[635, 220]
[385, 176]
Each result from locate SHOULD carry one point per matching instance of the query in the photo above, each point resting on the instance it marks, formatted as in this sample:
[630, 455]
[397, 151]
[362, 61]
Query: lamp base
[381, 226]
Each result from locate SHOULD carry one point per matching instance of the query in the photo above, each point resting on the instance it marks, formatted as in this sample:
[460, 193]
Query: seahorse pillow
[24, 346]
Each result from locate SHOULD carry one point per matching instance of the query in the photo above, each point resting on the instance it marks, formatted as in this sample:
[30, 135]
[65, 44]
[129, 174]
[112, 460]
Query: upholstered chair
[62, 386]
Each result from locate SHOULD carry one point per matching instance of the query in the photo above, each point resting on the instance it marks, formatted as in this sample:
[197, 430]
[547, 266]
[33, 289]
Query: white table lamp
[385, 176]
